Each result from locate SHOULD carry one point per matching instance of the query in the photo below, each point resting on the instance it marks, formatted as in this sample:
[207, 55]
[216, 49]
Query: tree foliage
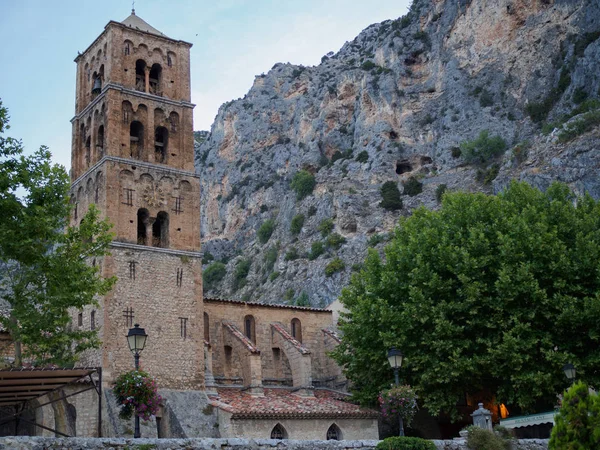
[303, 184]
[489, 294]
[482, 149]
[390, 196]
[577, 424]
[45, 265]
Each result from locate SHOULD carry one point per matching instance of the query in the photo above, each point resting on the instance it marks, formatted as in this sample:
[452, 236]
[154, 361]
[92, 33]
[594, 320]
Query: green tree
[46, 265]
[213, 274]
[390, 196]
[489, 294]
[577, 424]
[303, 184]
[297, 224]
[482, 149]
[265, 230]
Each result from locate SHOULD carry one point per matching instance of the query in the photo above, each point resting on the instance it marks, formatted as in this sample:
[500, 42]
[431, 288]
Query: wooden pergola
[18, 387]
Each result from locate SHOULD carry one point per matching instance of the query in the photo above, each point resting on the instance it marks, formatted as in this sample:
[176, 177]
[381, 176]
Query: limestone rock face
[394, 104]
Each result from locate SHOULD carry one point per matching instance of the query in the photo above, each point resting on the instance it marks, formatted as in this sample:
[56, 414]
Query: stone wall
[31, 443]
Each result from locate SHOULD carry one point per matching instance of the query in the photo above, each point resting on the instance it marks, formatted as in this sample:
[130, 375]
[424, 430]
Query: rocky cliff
[456, 95]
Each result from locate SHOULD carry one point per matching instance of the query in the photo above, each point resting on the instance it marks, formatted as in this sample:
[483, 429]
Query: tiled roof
[332, 334]
[140, 24]
[269, 305]
[284, 404]
[288, 337]
[241, 337]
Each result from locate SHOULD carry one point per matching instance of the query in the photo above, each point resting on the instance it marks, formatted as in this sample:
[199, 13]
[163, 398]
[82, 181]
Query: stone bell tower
[133, 156]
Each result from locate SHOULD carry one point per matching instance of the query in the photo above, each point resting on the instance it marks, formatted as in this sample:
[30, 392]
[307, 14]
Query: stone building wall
[275, 364]
[32, 443]
[297, 429]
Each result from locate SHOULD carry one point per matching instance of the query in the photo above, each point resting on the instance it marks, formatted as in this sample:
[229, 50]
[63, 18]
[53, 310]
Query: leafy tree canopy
[490, 294]
[45, 265]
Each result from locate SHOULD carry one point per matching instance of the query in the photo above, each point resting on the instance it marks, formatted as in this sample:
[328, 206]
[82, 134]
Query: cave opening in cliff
[403, 167]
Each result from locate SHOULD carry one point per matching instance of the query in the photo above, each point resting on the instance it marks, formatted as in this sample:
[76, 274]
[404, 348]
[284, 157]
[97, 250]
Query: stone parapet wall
[31, 443]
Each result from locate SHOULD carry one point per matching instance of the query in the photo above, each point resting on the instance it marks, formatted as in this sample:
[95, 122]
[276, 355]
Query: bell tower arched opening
[160, 230]
[136, 139]
[142, 221]
[140, 75]
[155, 79]
[161, 138]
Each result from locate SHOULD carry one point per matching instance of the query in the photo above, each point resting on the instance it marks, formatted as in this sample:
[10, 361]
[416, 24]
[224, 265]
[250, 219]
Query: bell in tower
[97, 87]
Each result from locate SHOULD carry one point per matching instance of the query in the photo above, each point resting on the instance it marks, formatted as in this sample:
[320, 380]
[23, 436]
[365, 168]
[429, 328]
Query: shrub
[136, 394]
[367, 65]
[291, 254]
[297, 224]
[362, 157]
[335, 240]
[486, 439]
[316, 250]
[483, 148]
[302, 300]
[390, 196]
[412, 187]
[303, 184]
[455, 152]
[270, 258]
[266, 230]
[207, 257]
[336, 265]
[486, 176]
[520, 151]
[577, 423]
[405, 443]
[439, 192]
[312, 210]
[242, 268]
[213, 274]
[289, 294]
[325, 227]
[486, 99]
[377, 239]
[579, 126]
[579, 95]
[399, 401]
[274, 276]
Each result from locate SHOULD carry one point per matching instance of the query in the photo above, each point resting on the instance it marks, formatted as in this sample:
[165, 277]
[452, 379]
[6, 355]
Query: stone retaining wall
[35, 443]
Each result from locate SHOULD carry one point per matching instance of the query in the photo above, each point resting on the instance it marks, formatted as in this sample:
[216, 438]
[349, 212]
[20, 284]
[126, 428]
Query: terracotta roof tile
[284, 404]
[288, 337]
[241, 337]
[333, 335]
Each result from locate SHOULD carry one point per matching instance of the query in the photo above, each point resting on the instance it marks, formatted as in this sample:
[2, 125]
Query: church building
[225, 368]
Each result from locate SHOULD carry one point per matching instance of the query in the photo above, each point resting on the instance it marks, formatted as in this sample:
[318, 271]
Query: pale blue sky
[234, 40]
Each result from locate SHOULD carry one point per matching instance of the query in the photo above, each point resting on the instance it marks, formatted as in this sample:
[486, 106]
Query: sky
[234, 40]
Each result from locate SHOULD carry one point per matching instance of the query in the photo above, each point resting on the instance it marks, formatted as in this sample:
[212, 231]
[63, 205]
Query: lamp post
[569, 370]
[136, 339]
[395, 358]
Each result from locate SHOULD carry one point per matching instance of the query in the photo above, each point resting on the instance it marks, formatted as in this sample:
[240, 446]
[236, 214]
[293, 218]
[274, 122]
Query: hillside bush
[270, 258]
[297, 224]
[291, 254]
[577, 424]
[479, 438]
[335, 240]
[303, 184]
[362, 157]
[302, 300]
[265, 231]
[439, 192]
[405, 443]
[316, 249]
[213, 274]
[390, 196]
[483, 148]
[240, 275]
[335, 265]
[412, 187]
[326, 227]
[579, 126]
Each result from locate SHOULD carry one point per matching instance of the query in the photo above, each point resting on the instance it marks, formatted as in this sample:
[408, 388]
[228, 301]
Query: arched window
[142, 221]
[297, 330]
[278, 432]
[160, 230]
[161, 137]
[93, 320]
[80, 319]
[228, 354]
[88, 150]
[140, 75]
[249, 328]
[334, 433]
[100, 141]
[206, 328]
[136, 139]
[155, 75]
[96, 84]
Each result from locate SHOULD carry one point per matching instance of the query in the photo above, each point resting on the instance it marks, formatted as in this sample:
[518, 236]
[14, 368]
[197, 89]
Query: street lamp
[395, 358]
[136, 339]
[569, 370]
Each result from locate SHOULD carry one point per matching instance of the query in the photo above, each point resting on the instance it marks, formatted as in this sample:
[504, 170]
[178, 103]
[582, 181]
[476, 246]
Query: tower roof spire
[133, 7]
